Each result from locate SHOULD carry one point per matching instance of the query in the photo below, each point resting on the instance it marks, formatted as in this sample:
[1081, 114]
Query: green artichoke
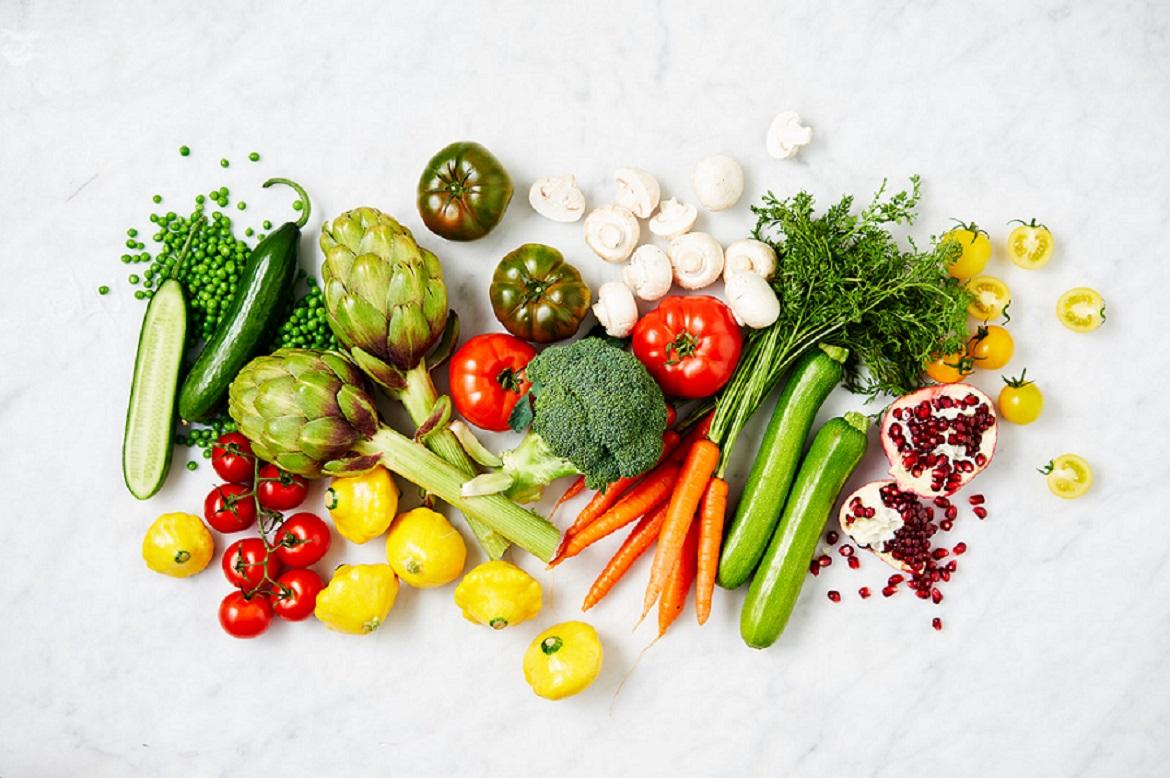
[385, 299]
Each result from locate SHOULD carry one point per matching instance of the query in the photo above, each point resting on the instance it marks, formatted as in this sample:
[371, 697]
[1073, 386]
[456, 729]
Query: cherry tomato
[689, 344]
[1021, 401]
[991, 347]
[1068, 476]
[232, 458]
[1081, 309]
[992, 298]
[1030, 245]
[294, 595]
[950, 368]
[302, 540]
[244, 566]
[230, 508]
[280, 491]
[242, 616]
[975, 250]
[487, 378]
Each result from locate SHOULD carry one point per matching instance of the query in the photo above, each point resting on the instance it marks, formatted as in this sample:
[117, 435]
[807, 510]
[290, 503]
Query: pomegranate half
[892, 523]
[939, 438]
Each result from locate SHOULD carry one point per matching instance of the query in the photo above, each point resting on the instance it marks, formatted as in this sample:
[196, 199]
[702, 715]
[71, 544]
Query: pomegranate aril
[952, 512]
[940, 553]
[863, 592]
[960, 548]
[895, 579]
[824, 560]
[834, 595]
[980, 511]
[936, 622]
[946, 525]
[889, 591]
[845, 550]
[922, 593]
[951, 567]
[854, 563]
[814, 567]
[831, 538]
[976, 499]
[936, 596]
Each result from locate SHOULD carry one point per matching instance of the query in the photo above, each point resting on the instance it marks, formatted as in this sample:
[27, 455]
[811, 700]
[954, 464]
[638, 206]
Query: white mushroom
[751, 299]
[612, 232]
[697, 259]
[718, 182]
[749, 256]
[673, 219]
[786, 135]
[649, 273]
[637, 191]
[615, 309]
[557, 198]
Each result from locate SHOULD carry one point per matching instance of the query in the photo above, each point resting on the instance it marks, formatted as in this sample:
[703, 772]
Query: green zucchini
[832, 457]
[261, 296]
[150, 416]
[811, 380]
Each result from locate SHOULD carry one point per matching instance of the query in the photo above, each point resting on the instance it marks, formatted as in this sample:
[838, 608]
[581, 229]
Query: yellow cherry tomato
[498, 594]
[1030, 245]
[563, 660]
[975, 250]
[362, 506]
[357, 599]
[992, 298]
[991, 347]
[1081, 309]
[950, 368]
[1069, 476]
[1021, 401]
[424, 549]
[177, 544]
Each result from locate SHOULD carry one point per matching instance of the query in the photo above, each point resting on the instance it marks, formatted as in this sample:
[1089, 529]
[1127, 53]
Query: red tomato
[244, 563]
[232, 458]
[689, 344]
[230, 508]
[295, 594]
[245, 617]
[487, 378]
[280, 491]
[302, 540]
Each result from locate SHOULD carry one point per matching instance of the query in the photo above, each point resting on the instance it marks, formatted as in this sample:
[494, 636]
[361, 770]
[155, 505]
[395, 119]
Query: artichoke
[309, 412]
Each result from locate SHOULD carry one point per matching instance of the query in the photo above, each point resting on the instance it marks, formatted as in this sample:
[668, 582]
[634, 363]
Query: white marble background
[1053, 659]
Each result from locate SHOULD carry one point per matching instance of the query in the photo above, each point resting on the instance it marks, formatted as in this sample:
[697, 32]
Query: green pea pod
[539, 296]
[261, 296]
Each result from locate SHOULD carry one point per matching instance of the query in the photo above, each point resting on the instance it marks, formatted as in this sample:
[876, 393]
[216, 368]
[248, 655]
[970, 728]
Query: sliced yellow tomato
[992, 298]
[975, 250]
[991, 347]
[1081, 309]
[1069, 476]
[1030, 245]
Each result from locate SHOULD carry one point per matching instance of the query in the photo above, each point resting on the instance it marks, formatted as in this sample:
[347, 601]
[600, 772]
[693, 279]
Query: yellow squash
[424, 549]
[563, 660]
[177, 544]
[362, 506]
[498, 594]
[358, 598]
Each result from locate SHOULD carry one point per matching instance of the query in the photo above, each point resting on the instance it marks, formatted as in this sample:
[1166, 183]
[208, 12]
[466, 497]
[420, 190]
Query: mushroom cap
[673, 219]
[751, 299]
[557, 198]
[786, 135]
[637, 191]
[649, 274]
[718, 182]
[612, 232]
[749, 256]
[697, 259]
[616, 309]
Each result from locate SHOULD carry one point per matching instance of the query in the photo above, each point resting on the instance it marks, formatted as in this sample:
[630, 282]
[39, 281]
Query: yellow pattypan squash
[498, 594]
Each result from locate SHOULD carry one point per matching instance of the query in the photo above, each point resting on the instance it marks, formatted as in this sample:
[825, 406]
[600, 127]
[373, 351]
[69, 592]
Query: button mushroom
[612, 232]
[750, 256]
[557, 198]
[649, 273]
[697, 259]
[637, 191]
[718, 182]
[786, 135]
[673, 219]
[751, 299]
[615, 309]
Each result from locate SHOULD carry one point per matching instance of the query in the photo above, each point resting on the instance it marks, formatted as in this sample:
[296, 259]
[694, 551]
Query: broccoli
[593, 409]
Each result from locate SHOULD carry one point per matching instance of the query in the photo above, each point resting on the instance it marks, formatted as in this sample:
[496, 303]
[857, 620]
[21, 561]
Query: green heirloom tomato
[537, 295]
[463, 192]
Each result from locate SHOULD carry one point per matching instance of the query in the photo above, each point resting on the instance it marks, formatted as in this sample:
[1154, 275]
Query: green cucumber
[261, 296]
[832, 457]
[150, 416]
[811, 380]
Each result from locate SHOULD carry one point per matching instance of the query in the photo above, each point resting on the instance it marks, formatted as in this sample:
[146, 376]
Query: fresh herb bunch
[842, 278]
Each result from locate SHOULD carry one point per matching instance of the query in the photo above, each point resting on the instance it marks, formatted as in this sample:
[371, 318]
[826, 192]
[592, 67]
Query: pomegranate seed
[889, 591]
[936, 622]
[814, 567]
[854, 563]
[824, 560]
[831, 538]
[834, 595]
[960, 548]
[975, 499]
[942, 502]
[940, 553]
[946, 525]
[946, 574]
[980, 511]
[952, 512]
[936, 596]
[951, 567]
[923, 593]
[845, 550]
[863, 592]
[895, 579]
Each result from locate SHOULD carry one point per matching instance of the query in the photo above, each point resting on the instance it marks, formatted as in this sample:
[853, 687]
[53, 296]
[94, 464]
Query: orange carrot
[678, 583]
[651, 492]
[711, 514]
[645, 532]
[574, 489]
[692, 482]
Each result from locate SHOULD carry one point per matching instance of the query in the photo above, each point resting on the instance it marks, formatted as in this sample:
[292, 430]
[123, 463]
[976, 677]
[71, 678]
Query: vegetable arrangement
[645, 411]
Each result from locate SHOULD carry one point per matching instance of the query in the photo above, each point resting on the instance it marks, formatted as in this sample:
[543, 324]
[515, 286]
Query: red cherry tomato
[487, 378]
[302, 540]
[689, 344]
[245, 617]
[244, 566]
[232, 458]
[230, 508]
[294, 595]
[280, 491]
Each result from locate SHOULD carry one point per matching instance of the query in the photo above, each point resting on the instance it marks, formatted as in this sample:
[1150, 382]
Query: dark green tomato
[463, 192]
[537, 295]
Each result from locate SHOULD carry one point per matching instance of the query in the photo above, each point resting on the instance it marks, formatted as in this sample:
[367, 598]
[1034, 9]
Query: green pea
[200, 199]
[140, 295]
[248, 231]
[224, 163]
[266, 225]
[298, 205]
[254, 156]
[103, 289]
[241, 205]
[184, 151]
[157, 198]
[192, 465]
[133, 278]
[133, 233]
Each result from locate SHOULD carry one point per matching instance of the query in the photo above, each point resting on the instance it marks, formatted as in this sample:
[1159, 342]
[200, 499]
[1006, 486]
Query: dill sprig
[843, 279]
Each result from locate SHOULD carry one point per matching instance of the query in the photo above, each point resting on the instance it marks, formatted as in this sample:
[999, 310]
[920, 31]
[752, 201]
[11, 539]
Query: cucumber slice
[150, 417]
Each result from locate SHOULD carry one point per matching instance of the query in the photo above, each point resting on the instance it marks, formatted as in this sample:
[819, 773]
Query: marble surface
[1052, 661]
